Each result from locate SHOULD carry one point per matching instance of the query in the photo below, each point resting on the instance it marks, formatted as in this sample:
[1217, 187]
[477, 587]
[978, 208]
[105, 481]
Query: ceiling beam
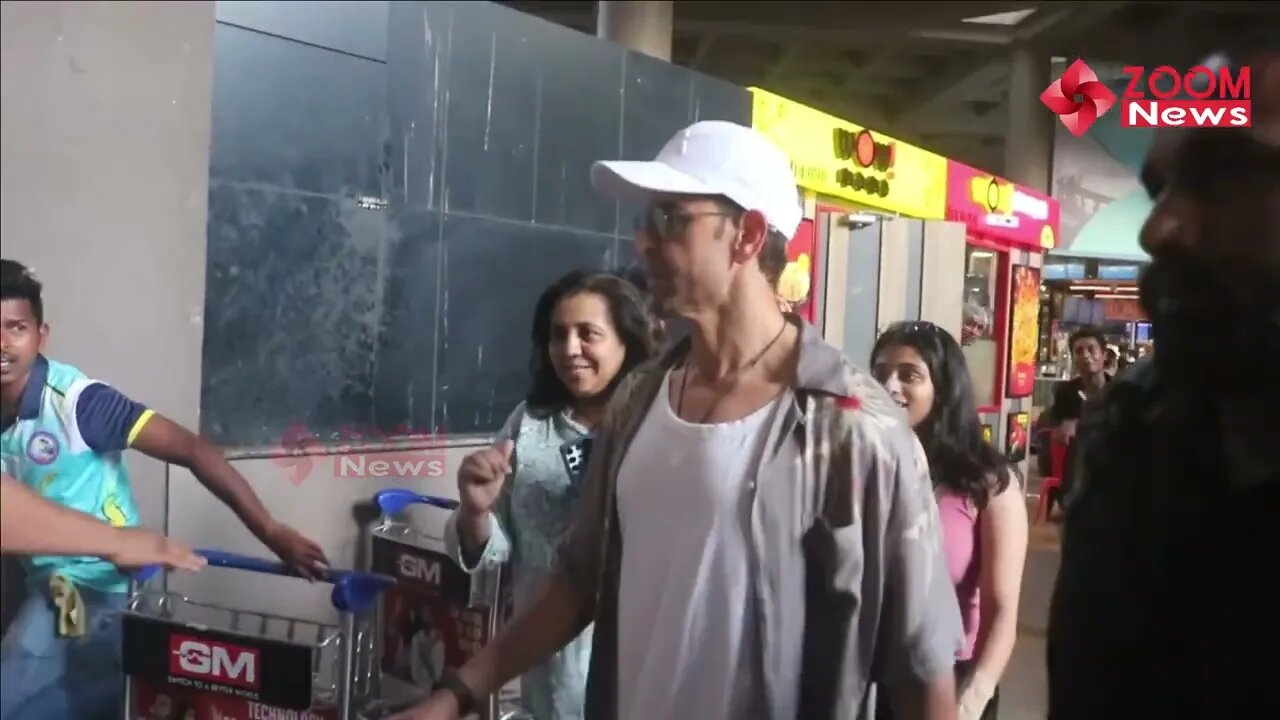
[990, 64]
[705, 44]
[925, 13]
[968, 150]
[1193, 26]
[872, 118]
[828, 14]
[941, 89]
[960, 122]
[967, 36]
[780, 68]
[863, 32]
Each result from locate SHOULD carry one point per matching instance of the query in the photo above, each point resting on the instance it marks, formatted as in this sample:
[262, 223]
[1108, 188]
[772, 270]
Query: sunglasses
[665, 220]
[912, 327]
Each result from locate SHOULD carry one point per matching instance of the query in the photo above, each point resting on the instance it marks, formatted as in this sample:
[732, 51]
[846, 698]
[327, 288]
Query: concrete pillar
[640, 25]
[1028, 146]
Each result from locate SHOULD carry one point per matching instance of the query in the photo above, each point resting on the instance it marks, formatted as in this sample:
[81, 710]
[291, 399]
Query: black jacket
[1166, 601]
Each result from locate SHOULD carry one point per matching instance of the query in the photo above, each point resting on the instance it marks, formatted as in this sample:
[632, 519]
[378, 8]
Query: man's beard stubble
[1203, 335]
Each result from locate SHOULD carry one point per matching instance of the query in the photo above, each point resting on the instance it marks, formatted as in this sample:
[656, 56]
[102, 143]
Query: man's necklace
[737, 376]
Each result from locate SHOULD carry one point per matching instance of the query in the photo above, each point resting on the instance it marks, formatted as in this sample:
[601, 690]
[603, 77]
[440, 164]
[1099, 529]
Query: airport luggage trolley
[437, 616]
[189, 660]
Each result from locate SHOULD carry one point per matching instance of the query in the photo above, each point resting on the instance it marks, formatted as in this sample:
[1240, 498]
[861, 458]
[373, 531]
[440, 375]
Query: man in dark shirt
[1087, 347]
[1088, 353]
[1164, 605]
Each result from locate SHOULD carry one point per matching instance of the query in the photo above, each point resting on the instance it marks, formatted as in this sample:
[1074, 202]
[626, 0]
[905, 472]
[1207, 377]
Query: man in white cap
[757, 536]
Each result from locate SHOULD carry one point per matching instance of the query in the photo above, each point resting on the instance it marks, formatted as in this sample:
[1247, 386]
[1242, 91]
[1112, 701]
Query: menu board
[1024, 331]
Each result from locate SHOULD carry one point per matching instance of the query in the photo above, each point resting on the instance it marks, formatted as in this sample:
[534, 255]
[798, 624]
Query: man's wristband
[461, 693]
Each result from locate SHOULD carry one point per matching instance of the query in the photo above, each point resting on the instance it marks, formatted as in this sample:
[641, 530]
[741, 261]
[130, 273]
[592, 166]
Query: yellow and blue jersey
[66, 443]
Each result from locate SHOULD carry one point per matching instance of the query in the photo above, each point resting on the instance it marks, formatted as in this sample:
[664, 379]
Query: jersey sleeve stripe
[140, 423]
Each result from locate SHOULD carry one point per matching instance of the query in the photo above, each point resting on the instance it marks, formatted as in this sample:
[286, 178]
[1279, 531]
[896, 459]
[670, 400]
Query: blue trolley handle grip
[352, 590]
[236, 561]
[396, 499]
[222, 558]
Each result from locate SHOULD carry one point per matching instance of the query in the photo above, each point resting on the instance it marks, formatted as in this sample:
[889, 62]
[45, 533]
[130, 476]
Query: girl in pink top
[983, 516]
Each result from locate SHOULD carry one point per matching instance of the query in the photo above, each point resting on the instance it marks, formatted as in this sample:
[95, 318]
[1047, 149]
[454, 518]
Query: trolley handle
[353, 591]
[394, 500]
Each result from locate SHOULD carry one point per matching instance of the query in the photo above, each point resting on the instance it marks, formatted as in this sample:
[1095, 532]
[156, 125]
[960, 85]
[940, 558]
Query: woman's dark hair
[631, 319]
[960, 458]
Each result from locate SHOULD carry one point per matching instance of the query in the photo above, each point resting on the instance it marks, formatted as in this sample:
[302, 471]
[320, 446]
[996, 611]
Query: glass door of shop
[885, 270]
[850, 307]
[984, 308]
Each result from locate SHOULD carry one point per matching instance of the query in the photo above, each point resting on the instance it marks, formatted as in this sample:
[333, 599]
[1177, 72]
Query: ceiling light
[1008, 19]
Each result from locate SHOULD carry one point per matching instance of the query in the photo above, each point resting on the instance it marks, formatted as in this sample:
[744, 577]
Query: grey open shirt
[850, 580]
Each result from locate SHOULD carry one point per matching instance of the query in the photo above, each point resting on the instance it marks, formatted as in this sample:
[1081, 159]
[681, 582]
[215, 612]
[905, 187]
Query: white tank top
[687, 643]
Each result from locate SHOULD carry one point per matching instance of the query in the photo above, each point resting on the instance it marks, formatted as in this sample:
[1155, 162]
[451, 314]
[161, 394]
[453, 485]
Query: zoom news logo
[1211, 95]
[1078, 98]
[364, 452]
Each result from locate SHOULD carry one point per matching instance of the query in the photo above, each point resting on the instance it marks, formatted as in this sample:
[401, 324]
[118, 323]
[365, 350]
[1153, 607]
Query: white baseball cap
[712, 157]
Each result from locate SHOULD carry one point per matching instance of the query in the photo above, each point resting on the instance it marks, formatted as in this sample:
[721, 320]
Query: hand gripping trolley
[437, 616]
[188, 660]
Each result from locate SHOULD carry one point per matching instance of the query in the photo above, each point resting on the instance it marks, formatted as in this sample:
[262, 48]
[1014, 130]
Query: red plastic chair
[1052, 481]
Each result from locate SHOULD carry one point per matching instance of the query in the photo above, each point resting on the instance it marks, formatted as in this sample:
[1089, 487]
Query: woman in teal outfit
[518, 496]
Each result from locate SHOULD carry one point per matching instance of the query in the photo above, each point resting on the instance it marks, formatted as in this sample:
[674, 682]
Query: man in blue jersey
[63, 436]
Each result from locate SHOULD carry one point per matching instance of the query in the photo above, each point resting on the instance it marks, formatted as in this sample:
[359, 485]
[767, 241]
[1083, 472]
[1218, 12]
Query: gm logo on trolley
[214, 662]
[420, 568]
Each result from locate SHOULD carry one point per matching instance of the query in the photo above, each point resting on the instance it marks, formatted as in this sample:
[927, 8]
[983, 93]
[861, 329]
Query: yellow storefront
[850, 167]
[874, 247]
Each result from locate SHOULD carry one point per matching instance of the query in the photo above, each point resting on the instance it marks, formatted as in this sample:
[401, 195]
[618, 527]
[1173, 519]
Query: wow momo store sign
[1008, 214]
[841, 160]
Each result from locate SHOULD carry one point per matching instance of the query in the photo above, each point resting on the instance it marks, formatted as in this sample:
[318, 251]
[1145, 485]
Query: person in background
[757, 536]
[63, 437]
[519, 496]
[1164, 605]
[1088, 354]
[32, 525]
[984, 520]
[640, 281]
[975, 322]
[1087, 346]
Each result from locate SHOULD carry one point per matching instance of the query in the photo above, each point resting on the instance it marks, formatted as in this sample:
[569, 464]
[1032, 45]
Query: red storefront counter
[1002, 288]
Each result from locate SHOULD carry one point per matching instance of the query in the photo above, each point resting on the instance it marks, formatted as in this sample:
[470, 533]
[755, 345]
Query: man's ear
[752, 233]
[44, 336]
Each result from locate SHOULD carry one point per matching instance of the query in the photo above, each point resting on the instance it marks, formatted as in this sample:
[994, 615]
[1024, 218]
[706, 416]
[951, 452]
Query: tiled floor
[1023, 691]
